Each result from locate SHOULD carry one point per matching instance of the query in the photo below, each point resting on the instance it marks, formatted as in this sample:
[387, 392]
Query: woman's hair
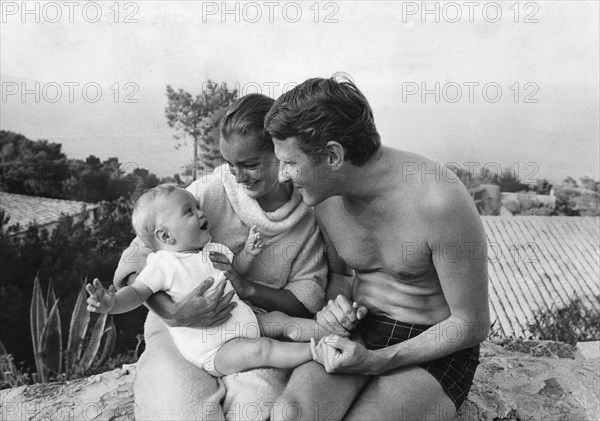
[145, 213]
[321, 110]
[246, 117]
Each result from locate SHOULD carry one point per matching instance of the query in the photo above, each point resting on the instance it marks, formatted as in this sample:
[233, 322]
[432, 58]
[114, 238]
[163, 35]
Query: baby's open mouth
[204, 225]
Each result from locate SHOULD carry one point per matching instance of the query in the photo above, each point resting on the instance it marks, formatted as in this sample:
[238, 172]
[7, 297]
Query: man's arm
[340, 316]
[454, 224]
[339, 275]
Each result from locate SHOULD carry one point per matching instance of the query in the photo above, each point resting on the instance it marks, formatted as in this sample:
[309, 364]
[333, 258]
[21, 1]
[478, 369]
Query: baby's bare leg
[277, 324]
[242, 354]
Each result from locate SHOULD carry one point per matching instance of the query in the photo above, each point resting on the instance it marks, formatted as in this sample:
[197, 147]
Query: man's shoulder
[447, 203]
[427, 190]
[409, 166]
[425, 181]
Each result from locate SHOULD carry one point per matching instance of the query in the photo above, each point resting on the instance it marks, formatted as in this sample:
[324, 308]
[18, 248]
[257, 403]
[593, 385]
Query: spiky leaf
[37, 314]
[109, 340]
[37, 320]
[79, 322]
[92, 346]
[50, 296]
[51, 342]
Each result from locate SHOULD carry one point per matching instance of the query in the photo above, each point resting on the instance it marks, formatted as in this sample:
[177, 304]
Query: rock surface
[106, 396]
[533, 380]
[517, 381]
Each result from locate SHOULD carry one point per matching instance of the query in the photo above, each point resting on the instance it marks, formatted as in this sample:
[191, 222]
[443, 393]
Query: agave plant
[47, 336]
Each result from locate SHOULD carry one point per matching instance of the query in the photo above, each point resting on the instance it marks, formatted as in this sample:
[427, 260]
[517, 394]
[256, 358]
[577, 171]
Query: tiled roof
[41, 211]
[540, 263]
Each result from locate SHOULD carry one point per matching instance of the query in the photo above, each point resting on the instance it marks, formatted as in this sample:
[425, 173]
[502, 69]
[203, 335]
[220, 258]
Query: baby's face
[185, 222]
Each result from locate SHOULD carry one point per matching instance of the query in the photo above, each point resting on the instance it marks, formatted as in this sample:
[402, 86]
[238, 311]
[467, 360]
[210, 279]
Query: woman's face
[254, 168]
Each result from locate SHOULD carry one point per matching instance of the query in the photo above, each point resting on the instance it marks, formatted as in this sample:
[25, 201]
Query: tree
[510, 182]
[590, 184]
[543, 186]
[489, 177]
[95, 181]
[569, 182]
[469, 180]
[40, 168]
[575, 200]
[33, 168]
[198, 118]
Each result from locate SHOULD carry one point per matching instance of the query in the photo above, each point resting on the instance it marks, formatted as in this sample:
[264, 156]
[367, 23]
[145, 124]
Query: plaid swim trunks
[453, 372]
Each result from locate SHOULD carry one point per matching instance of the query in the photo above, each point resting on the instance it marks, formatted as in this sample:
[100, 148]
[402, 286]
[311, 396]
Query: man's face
[310, 178]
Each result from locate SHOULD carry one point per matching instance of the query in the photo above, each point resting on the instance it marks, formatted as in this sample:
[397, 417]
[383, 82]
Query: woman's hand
[199, 310]
[342, 355]
[340, 315]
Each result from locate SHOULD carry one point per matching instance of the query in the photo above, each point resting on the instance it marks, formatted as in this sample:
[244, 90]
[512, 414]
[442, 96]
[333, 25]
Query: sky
[482, 84]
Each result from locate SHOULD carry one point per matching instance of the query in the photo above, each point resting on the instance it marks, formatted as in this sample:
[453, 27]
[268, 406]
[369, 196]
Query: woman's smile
[250, 184]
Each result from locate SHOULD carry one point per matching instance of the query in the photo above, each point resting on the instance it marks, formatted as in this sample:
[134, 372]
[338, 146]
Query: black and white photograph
[300, 210]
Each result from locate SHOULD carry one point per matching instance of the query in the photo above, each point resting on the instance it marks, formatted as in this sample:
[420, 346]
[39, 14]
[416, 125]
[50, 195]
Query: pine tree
[198, 118]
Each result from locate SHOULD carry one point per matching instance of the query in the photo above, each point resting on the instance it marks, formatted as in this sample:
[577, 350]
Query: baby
[169, 220]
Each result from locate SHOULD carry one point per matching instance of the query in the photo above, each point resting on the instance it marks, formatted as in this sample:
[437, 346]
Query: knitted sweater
[293, 257]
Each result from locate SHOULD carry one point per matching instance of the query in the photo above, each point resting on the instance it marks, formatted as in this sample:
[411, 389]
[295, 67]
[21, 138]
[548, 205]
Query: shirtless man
[405, 237]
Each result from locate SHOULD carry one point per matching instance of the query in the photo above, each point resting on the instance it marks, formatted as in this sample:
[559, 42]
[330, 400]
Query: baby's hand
[100, 300]
[254, 243]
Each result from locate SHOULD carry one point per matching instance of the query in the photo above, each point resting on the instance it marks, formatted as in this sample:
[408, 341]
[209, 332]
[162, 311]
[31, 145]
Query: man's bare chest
[379, 241]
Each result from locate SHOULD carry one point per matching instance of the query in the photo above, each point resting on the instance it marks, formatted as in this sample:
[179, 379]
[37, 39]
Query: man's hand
[342, 355]
[199, 310]
[220, 261]
[243, 288]
[340, 315]
[100, 299]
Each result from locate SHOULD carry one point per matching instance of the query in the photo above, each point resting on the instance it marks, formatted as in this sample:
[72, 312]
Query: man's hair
[246, 118]
[321, 110]
[145, 213]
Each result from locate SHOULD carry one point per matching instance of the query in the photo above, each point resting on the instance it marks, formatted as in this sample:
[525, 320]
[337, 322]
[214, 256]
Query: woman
[289, 275]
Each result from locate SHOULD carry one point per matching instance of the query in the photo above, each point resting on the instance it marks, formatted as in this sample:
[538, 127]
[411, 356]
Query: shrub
[570, 324]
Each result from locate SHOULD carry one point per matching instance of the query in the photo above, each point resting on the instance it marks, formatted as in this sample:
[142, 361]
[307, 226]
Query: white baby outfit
[179, 273]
